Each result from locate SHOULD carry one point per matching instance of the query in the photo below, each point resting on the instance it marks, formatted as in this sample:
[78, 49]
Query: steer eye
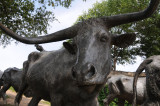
[103, 38]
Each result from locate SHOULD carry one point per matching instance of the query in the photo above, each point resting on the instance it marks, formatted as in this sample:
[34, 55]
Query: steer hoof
[16, 104]
[5, 102]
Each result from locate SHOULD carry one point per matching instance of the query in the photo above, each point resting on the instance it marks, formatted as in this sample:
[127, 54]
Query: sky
[15, 54]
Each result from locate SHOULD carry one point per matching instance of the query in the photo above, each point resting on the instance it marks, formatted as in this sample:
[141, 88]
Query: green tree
[147, 30]
[28, 17]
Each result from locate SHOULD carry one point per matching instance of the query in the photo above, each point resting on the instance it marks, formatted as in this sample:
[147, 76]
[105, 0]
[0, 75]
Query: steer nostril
[91, 72]
[83, 74]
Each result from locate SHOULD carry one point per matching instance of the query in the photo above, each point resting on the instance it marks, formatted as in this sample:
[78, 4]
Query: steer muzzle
[84, 74]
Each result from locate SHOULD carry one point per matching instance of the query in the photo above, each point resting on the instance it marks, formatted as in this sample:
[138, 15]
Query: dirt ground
[24, 102]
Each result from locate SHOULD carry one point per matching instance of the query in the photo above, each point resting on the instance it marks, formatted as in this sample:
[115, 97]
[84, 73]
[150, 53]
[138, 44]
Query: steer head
[91, 43]
[93, 51]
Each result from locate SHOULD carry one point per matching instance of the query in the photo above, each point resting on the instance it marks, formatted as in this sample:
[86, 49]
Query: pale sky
[14, 55]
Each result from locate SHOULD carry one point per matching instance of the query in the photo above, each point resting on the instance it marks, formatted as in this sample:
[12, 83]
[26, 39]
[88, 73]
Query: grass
[12, 89]
[46, 102]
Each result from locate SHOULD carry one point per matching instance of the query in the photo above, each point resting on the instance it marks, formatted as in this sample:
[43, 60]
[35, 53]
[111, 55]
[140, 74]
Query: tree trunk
[115, 58]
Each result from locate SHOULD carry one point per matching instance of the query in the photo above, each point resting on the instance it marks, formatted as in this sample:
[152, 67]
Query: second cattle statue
[12, 77]
[120, 85]
[151, 66]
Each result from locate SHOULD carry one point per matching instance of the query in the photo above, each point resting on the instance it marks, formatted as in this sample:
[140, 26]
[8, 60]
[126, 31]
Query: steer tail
[23, 84]
[138, 72]
[39, 48]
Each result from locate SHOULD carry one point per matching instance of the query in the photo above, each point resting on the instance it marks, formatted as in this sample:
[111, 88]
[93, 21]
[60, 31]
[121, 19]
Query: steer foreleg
[3, 92]
[19, 94]
[34, 101]
[23, 85]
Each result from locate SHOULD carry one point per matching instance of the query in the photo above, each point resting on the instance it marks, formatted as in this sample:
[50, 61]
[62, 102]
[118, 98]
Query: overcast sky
[14, 55]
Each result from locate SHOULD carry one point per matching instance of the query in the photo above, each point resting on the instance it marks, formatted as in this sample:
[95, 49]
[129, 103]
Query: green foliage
[64, 3]
[24, 17]
[46, 102]
[28, 18]
[149, 31]
[103, 94]
[147, 42]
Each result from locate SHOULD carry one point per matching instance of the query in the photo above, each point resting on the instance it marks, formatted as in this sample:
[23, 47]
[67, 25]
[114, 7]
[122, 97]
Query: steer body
[120, 86]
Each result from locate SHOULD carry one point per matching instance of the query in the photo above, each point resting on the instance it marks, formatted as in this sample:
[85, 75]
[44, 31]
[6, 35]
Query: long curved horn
[131, 17]
[57, 36]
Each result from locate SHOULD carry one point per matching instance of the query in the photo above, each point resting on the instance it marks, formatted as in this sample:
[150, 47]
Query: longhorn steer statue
[120, 85]
[151, 66]
[74, 75]
[12, 77]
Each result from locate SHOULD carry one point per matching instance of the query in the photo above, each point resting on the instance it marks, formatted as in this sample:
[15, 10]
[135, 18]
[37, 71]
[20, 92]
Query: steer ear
[70, 47]
[123, 40]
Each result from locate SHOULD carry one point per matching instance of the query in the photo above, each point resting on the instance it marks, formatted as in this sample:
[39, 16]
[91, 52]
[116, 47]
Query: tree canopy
[147, 30]
[28, 17]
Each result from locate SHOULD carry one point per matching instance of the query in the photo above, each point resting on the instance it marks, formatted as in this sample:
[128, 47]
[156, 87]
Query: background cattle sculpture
[74, 75]
[120, 85]
[151, 66]
[12, 77]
